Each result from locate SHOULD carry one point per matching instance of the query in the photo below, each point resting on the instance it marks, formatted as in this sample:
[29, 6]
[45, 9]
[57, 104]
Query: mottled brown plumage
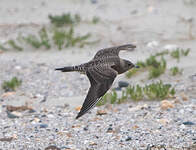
[101, 71]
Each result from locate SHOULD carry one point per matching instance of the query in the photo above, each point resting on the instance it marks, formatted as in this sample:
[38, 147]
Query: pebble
[14, 114]
[122, 84]
[188, 123]
[166, 104]
[153, 44]
[43, 125]
[128, 138]
[170, 47]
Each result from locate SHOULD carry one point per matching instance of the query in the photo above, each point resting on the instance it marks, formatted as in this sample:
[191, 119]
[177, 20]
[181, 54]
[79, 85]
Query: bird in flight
[101, 72]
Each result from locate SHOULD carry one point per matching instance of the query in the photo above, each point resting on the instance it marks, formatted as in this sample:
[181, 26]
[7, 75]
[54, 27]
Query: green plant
[14, 45]
[165, 52]
[72, 40]
[2, 47]
[44, 38]
[157, 68]
[172, 91]
[157, 90]
[135, 92]
[113, 97]
[185, 52]
[64, 19]
[123, 97]
[59, 38]
[33, 41]
[175, 70]
[176, 54]
[12, 84]
[95, 20]
[103, 100]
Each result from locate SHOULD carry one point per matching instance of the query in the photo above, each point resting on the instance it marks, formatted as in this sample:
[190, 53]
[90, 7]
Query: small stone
[163, 121]
[109, 130]
[7, 94]
[153, 44]
[165, 104]
[85, 128]
[170, 47]
[123, 84]
[43, 125]
[14, 114]
[188, 123]
[36, 120]
[52, 147]
[18, 67]
[184, 97]
[101, 112]
[128, 138]
[135, 127]
[78, 108]
[50, 116]
[93, 1]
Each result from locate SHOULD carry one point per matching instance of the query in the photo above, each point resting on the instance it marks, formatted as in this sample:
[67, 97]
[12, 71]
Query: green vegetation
[135, 92]
[176, 54]
[156, 64]
[153, 91]
[157, 90]
[175, 70]
[185, 52]
[64, 19]
[64, 38]
[179, 52]
[14, 45]
[12, 84]
[62, 34]
[2, 47]
[95, 20]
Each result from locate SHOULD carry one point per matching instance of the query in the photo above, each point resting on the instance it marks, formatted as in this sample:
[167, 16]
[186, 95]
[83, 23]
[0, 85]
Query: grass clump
[135, 92]
[11, 85]
[180, 52]
[95, 20]
[154, 66]
[185, 52]
[153, 91]
[64, 38]
[157, 68]
[176, 54]
[59, 38]
[2, 47]
[64, 19]
[37, 42]
[157, 90]
[14, 45]
[175, 70]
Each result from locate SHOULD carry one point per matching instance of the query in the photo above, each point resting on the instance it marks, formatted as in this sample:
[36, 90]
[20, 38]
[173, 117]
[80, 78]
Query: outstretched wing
[113, 51]
[101, 79]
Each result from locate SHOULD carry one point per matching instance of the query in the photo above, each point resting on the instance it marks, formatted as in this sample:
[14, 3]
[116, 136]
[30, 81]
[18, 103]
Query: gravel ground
[51, 98]
[127, 126]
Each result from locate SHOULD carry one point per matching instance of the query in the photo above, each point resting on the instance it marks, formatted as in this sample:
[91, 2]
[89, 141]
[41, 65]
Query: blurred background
[38, 36]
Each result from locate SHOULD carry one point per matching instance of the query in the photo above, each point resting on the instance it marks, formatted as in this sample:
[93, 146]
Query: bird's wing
[113, 51]
[101, 79]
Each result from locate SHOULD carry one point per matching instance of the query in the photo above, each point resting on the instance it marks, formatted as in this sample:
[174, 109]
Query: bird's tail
[66, 69]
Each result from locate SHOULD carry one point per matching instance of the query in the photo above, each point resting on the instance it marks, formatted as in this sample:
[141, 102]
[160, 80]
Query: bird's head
[128, 65]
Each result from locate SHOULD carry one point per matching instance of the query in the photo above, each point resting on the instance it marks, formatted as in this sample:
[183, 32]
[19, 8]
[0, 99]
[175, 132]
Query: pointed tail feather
[65, 69]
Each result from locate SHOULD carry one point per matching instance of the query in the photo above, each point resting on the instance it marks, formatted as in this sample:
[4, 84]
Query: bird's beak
[132, 46]
[136, 66]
